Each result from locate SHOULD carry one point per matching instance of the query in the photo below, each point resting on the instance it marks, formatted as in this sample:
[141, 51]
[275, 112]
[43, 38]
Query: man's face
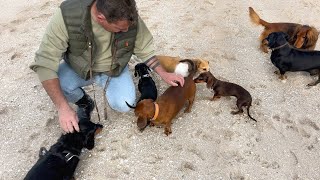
[118, 26]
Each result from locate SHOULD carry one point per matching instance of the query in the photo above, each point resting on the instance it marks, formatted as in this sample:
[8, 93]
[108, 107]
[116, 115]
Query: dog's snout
[265, 41]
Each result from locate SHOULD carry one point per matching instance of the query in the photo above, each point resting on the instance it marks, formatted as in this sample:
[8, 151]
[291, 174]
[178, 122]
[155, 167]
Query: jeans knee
[120, 105]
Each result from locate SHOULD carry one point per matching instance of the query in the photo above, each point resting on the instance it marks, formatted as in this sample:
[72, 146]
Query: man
[96, 39]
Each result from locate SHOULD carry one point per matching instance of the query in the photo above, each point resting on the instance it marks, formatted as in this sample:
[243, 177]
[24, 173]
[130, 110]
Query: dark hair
[115, 10]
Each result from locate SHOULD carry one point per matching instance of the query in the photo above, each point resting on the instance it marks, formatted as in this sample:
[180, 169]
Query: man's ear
[100, 17]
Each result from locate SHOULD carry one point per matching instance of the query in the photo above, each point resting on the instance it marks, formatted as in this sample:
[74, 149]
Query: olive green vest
[81, 50]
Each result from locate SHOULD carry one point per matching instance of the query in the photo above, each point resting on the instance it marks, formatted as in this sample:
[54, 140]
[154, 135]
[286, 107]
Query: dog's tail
[132, 107]
[192, 66]
[249, 114]
[256, 19]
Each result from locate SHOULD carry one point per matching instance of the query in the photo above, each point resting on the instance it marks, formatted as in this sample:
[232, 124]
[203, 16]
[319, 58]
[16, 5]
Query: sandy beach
[208, 143]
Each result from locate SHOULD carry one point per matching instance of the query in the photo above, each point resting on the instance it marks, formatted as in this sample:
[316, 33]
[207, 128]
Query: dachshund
[222, 88]
[173, 64]
[62, 158]
[168, 105]
[287, 58]
[301, 36]
[146, 86]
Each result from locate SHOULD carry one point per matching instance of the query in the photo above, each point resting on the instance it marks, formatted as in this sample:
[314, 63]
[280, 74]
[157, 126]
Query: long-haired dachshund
[300, 36]
[173, 64]
[146, 86]
[287, 58]
[62, 158]
[222, 88]
[168, 105]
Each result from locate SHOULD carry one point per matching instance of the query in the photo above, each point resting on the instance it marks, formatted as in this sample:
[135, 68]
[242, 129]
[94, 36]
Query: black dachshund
[146, 85]
[62, 158]
[287, 58]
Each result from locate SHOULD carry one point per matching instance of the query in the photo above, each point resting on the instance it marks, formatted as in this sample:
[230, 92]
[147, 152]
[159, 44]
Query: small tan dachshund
[168, 105]
[173, 64]
[223, 88]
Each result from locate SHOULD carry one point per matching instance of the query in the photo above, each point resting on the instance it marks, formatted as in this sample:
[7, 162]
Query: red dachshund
[168, 105]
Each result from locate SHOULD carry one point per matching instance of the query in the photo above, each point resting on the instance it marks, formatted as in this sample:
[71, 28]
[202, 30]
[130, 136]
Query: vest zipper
[91, 61]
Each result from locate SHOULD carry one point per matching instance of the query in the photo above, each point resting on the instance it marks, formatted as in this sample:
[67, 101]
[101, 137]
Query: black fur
[288, 58]
[146, 86]
[53, 164]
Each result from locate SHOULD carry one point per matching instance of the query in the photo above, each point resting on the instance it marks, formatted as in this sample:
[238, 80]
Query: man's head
[116, 15]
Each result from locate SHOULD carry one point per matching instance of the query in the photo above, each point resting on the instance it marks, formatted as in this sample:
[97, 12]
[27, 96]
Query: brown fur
[301, 36]
[170, 103]
[169, 63]
[222, 88]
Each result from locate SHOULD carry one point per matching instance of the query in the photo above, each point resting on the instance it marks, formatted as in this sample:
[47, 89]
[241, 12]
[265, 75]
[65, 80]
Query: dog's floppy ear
[135, 73]
[312, 36]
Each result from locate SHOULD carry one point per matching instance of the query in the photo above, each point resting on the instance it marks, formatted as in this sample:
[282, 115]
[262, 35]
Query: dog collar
[279, 46]
[69, 156]
[156, 113]
[146, 75]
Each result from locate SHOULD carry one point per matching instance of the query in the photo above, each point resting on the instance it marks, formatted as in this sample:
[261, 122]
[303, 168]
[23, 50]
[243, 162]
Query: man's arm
[47, 58]
[144, 50]
[170, 78]
[67, 117]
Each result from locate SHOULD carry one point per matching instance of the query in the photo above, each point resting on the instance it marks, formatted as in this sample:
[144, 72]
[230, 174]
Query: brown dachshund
[222, 88]
[300, 36]
[167, 106]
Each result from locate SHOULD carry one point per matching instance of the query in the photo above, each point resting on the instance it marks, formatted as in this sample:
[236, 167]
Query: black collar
[281, 46]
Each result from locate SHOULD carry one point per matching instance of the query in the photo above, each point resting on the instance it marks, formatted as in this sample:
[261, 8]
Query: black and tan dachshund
[62, 158]
[287, 58]
[146, 86]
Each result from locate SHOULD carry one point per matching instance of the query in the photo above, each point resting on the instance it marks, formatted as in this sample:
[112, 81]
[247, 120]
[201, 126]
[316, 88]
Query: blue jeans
[120, 89]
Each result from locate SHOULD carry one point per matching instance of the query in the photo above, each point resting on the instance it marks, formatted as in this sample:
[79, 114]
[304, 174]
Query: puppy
[222, 88]
[146, 86]
[173, 64]
[300, 36]
[168, 105]
[287, 58]
[62, 158]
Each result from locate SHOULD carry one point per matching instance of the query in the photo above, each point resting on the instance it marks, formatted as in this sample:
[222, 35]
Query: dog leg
[316, 82]
[240, 110]
[313, 72]
[237, 112]
[167, 129]
[215, 97]
[190, 103]
[281, 75]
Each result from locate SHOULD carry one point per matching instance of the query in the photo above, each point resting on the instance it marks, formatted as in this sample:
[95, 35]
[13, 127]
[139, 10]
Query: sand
[208, 143]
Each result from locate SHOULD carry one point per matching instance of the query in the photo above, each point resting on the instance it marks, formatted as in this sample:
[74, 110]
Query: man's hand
[68, 119]
[170, 78]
